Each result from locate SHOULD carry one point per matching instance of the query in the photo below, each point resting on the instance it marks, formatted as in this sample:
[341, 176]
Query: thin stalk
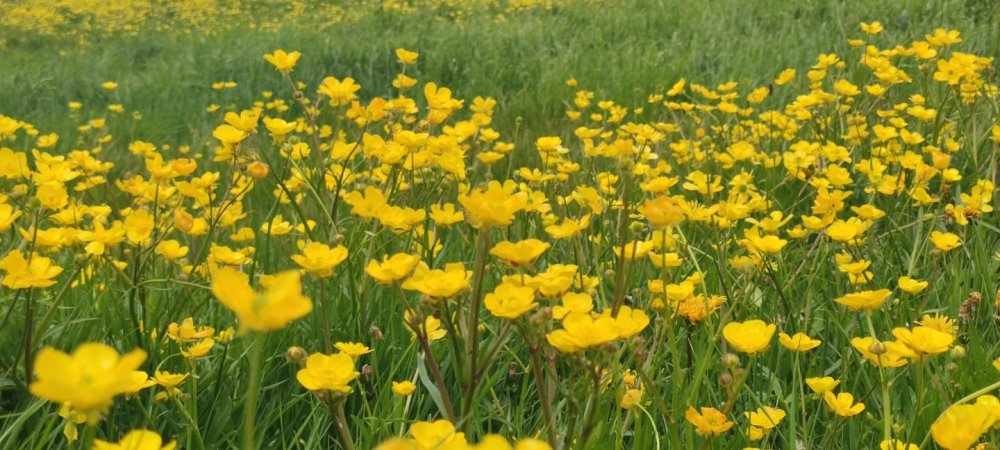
[250, 407]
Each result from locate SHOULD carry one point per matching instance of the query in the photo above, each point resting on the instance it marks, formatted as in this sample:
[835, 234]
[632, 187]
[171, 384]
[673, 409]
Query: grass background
[623, 50]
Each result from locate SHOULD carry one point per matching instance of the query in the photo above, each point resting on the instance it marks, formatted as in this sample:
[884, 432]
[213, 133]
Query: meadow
[499, 224]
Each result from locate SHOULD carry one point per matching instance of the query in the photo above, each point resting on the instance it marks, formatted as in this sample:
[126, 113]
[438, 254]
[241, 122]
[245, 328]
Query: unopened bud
[730, 360]
[295, 354]
[725, 379]
[878, 348]
[958, 352]
[258, 169]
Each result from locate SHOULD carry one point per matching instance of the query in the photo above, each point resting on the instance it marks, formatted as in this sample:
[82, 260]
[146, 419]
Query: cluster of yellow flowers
[622, 264]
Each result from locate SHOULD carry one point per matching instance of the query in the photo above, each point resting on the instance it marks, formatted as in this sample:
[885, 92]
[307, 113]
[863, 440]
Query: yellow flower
[328, 373]
[765, 417]
[519, 254]
[440, 284]
[7, 216]
[139, 226]
[20, 273]
[229, 135]
[800, 342]
[911, 285]
[629, 322]
[872, 28]
[282, 61]
[445, 215]
[630, 398]
[101, 238]
[842, 404]
[767, 244]
[280, 302]
[821, 385]
[568, 228]
[393, 268]
[864, 300]
[662, 212]
[88, 379]
[353, 349]
[339, 92]
[924, 340]
[573, 302]
[961, 426]
[896, 444]
[170, 381]
[884, 354]
[945, 242]
[494, 206]
[510, 301]
[136, 440]
[139, 381]
[709, 422]
[198, 350]
[439, 434]
[752, 336]
[171, 250]
[403, 388]
[431, 326]
[319, 259]
[581, 331]
[406, 57]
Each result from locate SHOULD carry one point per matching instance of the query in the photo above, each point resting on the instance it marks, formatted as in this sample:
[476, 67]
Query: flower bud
[958, 352]
[878, 348]
[725, 379]
[258, 169]
[730, 360]
[295, 354]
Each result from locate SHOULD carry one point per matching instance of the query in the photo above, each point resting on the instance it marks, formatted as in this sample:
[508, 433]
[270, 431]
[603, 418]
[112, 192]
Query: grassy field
[677, 201]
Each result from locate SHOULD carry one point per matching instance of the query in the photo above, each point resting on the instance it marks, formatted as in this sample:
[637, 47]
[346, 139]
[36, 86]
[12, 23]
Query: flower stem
[250, 407]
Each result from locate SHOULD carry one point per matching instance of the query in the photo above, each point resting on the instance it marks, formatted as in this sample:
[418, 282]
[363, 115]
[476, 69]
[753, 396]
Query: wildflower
[924, 340]
[568, 227]
[319, 259]
[896, 444]
[767, 244]
[800, 342]
[171, 249]
[630, 398]
[521, 253]
[392, 269]
[440, 284]
[945, 242]
[137, 440]
[765, 418]
[430, 327]
[20, 273]
[752, 336]
[339, 92]
[282, 61]
[821, 385]
[662, 212]
[864, 300]
[437, 434]
[403, 388]
[911, 285]
[88, 379]
[406, 57]
[581, 331]
[198, 350]
[708, 422]
[842, 404]
[960, 426]
[170, 381]
[509, 301]
[445, 215]
[280, 302]
[353, 349]
[328, 373]
[494, 206]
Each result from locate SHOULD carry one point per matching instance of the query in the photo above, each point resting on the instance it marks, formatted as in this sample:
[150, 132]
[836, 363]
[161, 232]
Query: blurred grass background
[521, 56]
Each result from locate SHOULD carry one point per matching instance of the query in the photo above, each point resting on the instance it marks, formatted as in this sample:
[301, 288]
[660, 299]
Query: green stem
[250, 407]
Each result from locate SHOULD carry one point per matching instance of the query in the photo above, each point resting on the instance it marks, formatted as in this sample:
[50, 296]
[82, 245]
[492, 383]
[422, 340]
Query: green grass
[623, 51]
